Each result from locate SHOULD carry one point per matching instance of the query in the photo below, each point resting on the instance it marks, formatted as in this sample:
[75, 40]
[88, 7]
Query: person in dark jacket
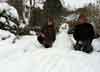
[48, 34]
[83, 34]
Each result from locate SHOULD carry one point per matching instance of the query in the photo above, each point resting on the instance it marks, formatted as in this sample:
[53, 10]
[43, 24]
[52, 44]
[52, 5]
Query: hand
[42, 35]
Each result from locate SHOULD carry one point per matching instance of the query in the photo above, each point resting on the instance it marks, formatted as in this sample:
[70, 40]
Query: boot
[88, 49]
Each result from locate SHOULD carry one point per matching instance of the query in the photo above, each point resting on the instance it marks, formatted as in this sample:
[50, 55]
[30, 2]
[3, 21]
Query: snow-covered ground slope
[27, 55]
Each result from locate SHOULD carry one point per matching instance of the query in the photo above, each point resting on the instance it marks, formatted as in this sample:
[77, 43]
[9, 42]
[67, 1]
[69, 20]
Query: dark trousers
[45, 42]
[84, 46]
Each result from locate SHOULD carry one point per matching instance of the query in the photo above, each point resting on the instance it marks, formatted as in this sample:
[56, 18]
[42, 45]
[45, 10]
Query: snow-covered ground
[27, 55]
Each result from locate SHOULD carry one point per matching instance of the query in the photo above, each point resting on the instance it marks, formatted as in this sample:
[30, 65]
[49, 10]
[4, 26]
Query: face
[82, 21]
[49, 23]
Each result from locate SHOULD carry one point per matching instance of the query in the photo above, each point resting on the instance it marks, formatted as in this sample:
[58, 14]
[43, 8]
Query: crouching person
[48, 34]
[83, 34]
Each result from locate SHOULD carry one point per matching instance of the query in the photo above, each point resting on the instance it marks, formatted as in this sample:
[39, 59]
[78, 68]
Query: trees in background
[34, 13]
[18, 5]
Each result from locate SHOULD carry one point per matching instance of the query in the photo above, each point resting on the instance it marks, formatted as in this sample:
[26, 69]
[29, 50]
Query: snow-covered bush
[10, 10]
[8, 18]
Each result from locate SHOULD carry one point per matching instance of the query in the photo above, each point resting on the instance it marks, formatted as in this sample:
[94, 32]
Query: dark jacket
[83, 32]
[49, 32]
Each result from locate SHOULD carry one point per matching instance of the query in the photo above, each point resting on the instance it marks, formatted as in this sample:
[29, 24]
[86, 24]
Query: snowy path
[27, 55]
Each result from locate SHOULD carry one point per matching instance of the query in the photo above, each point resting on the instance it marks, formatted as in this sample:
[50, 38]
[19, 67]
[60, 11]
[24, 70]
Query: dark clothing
[40, 39]
[70, 31]
[84, 46]
[44, 42]
[84, 33]
[49, 32]
[49, 36]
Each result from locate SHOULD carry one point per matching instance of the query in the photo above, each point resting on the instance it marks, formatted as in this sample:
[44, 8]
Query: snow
[7, 35]
[96, 44]
[2, 19]
[38, 3]
[27, 55]
[9, 9]
[72, 17]
[9, 13]
[62, 37]
[75, 4]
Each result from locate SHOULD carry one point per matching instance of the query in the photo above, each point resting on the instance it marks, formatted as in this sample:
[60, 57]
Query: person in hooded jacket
[83, 34]
[48, 34]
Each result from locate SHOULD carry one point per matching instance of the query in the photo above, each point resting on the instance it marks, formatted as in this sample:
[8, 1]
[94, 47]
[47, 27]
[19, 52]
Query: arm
[71, 30]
